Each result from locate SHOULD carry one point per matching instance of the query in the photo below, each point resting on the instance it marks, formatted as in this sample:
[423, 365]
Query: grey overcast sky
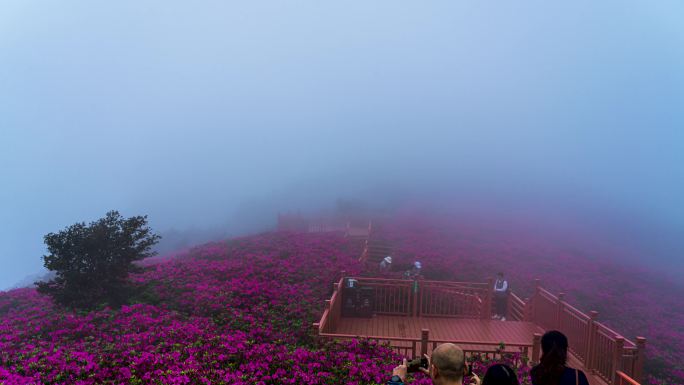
[209, 113]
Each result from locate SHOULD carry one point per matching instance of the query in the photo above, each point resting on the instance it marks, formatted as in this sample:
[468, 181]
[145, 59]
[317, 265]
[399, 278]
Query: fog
[212, 117]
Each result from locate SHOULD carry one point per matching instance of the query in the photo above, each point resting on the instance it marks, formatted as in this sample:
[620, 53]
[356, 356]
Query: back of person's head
[500, 374]
[554, 356]
[449, 360]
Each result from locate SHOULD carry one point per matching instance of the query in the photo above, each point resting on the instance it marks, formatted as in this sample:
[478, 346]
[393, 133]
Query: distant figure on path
[446, 366]
[552, 369]
[386, 263]
[500, 296]
[417, 267]
[415, 270]
[498, 374]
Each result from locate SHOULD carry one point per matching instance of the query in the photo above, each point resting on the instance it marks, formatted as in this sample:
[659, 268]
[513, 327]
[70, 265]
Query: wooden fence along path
[375, 250]
[415, 316]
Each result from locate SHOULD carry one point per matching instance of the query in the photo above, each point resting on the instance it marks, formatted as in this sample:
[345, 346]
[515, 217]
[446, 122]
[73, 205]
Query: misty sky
[216, 113]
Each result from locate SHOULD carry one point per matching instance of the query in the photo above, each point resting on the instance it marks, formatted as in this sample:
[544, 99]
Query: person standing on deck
[416, 270]
[500, 296]
[386, 263]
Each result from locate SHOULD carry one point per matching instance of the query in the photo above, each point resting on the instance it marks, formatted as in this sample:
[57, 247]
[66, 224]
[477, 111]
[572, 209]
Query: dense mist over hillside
[212, 118]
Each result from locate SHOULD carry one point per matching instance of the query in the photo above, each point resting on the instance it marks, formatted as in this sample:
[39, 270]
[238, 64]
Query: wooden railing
[332, 312]
[601, 350]
[374, 251]
[326, 227]
[544, 310]
[623, 379]
[353, 231]
[416, 347]
[391, 297]
[516, 308]
[451, 299]
[422, 298]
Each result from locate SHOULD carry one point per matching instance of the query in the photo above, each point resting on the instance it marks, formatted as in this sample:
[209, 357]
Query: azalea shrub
[241, 311]
[235, 312]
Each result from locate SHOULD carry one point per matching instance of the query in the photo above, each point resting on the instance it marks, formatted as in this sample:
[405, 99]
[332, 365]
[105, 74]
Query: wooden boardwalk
[515, 334]
[491, 331]
[414, 317]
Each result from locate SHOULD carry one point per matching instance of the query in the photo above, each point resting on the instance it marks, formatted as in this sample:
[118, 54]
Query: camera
[415, 364]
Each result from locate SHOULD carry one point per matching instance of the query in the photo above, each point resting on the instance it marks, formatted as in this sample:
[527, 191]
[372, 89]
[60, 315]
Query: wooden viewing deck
[413, 317]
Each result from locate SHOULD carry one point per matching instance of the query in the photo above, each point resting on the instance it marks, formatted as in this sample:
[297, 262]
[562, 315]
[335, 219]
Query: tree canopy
[92, 262]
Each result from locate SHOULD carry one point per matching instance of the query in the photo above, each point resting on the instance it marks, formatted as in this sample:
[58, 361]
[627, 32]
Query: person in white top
[386, 263]
[500, 296]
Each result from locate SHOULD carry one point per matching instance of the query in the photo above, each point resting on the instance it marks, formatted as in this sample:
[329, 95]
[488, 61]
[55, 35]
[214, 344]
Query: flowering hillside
[240, 311]
[235, 312]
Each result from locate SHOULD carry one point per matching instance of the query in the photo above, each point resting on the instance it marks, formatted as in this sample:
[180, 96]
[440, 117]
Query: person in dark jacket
[500, 296]
[498, 374]
[552, 368]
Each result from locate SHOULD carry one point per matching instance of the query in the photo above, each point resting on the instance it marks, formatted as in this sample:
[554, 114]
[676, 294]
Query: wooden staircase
[375, 250]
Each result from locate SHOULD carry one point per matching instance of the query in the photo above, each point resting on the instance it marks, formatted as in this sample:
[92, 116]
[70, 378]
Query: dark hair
[499, 273]
[500, 374]
[554, 356]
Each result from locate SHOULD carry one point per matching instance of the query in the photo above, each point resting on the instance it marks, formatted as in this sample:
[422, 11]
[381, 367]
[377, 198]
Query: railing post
[415, 289]
[559, 313]
[533, 301]
[589, 353]
[640, 356]
[332, 322]
[411, 302]
[316, 330]
[507, 310]
[617, 357]
[536, 347]
[424, 337]
[486, 313]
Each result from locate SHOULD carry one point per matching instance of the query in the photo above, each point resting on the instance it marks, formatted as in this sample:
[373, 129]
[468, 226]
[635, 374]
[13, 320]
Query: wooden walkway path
[415, 316]
[514, 333]
[492, 331]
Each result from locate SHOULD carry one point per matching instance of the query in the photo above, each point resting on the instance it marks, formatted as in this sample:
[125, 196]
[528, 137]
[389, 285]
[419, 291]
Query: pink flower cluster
[236, 312]
[240, 311]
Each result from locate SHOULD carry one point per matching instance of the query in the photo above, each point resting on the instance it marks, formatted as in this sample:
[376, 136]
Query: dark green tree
[92, 263]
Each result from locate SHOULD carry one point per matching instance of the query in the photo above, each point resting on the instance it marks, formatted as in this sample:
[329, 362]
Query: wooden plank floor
[494, 331]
